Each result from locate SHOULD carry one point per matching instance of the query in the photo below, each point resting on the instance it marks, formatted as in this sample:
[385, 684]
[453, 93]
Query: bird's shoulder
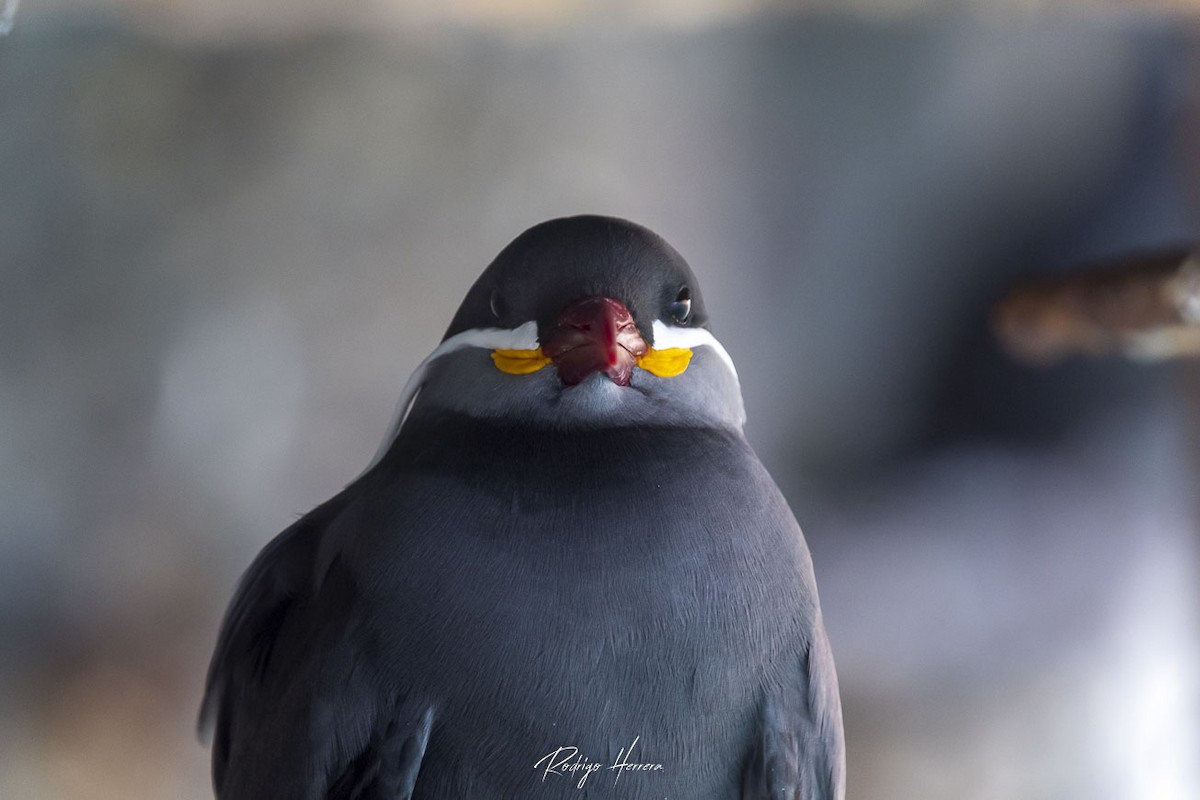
[799, 750]
[279, 577]
[265, 647]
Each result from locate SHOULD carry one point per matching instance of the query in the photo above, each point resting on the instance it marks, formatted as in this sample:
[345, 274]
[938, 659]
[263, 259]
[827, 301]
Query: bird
[564, 574]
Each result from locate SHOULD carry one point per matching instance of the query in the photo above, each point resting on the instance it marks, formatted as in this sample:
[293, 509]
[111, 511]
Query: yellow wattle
[519, 362]
[666, 363]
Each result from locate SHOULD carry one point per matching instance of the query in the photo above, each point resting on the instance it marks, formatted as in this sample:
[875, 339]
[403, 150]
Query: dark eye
[496, 304]
[681, 308]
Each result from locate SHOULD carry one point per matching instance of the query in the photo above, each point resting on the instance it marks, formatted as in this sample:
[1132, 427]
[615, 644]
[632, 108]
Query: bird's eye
[496, 304]
[681, 308]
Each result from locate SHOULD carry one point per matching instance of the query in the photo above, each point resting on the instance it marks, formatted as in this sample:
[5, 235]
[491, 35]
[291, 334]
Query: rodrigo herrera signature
[569, 761]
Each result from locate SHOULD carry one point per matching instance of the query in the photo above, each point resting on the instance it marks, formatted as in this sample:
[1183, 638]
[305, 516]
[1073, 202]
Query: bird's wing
[800, 753]
[291, 697]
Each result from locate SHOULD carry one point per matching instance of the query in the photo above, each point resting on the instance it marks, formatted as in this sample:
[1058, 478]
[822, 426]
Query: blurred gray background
[229, 231]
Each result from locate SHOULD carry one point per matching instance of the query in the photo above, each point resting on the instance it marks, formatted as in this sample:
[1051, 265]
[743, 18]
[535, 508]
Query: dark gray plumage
[533, 566]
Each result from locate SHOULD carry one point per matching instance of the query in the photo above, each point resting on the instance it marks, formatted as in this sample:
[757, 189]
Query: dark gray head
[582, 322]
[560, 261]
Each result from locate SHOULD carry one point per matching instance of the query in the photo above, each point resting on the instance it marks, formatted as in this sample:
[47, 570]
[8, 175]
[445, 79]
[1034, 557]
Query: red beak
[595, 334]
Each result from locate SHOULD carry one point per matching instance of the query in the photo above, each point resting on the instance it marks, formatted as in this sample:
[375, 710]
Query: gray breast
[540, 588]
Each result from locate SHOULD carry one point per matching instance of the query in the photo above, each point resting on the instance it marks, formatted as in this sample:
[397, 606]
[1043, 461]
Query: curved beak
[595, 334]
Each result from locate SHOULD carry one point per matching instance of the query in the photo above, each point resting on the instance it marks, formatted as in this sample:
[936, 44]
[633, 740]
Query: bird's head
[582, 322]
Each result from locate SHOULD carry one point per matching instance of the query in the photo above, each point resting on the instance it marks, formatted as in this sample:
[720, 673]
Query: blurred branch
[1146, 309]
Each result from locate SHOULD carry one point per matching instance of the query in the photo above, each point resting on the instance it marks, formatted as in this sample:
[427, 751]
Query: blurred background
[228, 232]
